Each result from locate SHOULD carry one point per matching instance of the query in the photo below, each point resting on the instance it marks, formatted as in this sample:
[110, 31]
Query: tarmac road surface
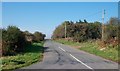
[60, 56]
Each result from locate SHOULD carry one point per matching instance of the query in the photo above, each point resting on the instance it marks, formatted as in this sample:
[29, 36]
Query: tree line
[82, 30]
[14, 40]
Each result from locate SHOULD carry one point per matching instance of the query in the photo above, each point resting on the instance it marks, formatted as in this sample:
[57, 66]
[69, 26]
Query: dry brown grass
[103, 44]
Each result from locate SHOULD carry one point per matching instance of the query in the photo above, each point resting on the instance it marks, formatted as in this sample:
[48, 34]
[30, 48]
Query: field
[32, 54]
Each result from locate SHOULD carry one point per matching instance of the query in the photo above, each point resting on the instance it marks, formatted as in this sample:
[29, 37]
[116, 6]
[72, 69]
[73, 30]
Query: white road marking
[81, 61]
[77, 59]
[62, 49]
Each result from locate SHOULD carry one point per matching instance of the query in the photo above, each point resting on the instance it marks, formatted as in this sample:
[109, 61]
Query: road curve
[59, 56]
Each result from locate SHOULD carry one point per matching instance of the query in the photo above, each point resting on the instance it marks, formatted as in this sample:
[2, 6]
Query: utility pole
[103, 26]
[65, 30]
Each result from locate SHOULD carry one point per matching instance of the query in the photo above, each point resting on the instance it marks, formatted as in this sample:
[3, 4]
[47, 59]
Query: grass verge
[33, 53]
[93, 48]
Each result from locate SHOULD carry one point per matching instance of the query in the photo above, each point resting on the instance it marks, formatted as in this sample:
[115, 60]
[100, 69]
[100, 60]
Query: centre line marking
[62, 49]
[77, 59]
[81, 61]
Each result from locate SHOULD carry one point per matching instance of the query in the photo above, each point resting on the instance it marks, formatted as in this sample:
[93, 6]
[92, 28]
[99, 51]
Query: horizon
[45, 17]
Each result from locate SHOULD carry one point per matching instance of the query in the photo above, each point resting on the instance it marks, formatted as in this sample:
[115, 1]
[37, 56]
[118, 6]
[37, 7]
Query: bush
[29, 37]
[79, 31]
[13, 40]
[38, 36]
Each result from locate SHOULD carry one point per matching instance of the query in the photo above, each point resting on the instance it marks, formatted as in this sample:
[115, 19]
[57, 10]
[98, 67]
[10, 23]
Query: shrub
[79, 31]
[38, 36]
[13, 40]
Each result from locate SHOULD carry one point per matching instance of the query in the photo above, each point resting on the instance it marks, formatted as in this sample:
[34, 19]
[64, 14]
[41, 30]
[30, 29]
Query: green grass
[68, 42]
[93, 48]
[33, 53]
[108, 53]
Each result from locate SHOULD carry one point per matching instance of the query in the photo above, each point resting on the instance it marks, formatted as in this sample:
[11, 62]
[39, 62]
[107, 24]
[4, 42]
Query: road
[59, 56]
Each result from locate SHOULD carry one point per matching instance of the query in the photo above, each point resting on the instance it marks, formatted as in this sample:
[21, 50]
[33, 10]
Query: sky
[46, 16]
[60, 0]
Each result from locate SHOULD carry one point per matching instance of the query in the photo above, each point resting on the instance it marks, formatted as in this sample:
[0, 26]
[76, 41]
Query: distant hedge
[83, 30]
[14, 40]
[79, 31]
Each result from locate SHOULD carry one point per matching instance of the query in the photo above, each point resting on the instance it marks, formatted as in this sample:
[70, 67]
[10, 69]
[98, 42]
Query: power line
[81, 18]
[92, 15]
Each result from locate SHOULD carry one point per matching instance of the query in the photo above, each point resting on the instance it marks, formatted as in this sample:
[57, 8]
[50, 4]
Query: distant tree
[39, 36]
[27, 32]
[85, 21]
[112, 28]
[59, 32]
[79, 32]
[80, 21]
[29, 36]
[94, 30]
